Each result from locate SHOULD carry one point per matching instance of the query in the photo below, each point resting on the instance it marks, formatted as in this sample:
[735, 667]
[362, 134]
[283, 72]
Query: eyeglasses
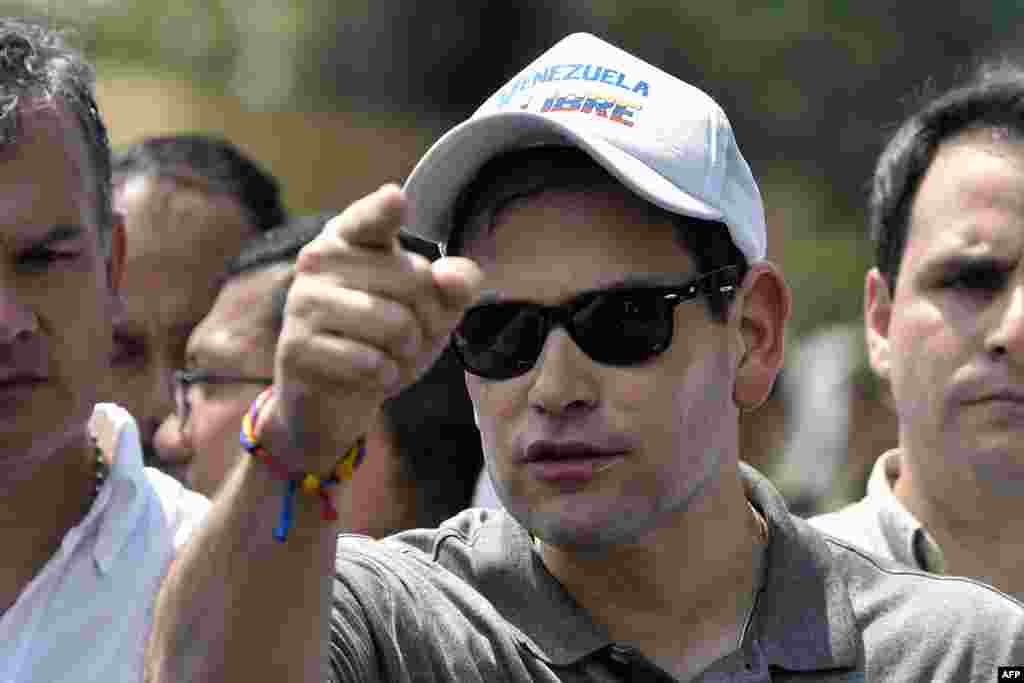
[183, 379]
[619, 326]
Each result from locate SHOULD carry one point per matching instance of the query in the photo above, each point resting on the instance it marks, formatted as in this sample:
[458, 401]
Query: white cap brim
[452, 162]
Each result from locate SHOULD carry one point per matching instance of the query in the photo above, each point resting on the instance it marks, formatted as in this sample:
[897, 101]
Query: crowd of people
[486, 426]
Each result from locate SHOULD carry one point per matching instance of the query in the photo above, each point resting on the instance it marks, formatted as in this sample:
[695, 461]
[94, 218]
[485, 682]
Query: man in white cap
[600, 218]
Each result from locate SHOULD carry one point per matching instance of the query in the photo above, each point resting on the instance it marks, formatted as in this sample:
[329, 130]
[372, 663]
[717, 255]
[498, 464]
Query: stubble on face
[960, 280]
[61, 284]
[674, 409]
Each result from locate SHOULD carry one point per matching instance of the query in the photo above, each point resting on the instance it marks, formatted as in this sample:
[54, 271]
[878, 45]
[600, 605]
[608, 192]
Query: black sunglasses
[183, 379]
[617, 326]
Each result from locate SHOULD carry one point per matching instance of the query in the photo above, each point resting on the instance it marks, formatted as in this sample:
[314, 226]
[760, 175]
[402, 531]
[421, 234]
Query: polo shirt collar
[513, 577]
[803, 620]
[119, 505]
[908, 541]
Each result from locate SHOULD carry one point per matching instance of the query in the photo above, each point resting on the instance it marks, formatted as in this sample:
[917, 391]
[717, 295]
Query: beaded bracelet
[310, 484]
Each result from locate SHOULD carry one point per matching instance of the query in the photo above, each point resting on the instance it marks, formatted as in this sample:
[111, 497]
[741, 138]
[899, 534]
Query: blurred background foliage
[337, 96]
[812, 87]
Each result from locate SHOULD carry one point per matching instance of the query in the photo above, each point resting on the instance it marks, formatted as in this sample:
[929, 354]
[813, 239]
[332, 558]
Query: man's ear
[763, 307]
[115, 265]
[877, 315]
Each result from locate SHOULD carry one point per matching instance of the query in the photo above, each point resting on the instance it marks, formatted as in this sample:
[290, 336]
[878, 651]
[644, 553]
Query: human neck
[37, 511]
[680, 595]
[980, 532]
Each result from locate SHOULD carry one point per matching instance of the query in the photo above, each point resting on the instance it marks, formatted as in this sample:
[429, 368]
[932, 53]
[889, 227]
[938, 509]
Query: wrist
[262, 432]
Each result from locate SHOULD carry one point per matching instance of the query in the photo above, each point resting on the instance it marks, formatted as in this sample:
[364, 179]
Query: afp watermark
[1011, 673]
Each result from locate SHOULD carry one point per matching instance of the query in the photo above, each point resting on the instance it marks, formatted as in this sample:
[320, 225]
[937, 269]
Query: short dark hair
[221, 165]
[436, 441]
[993, 97]
[526, 172]
[37, 62]
[277, 246]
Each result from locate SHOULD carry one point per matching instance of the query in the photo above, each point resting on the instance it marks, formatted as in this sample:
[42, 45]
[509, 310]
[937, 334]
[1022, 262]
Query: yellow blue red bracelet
[310, 484]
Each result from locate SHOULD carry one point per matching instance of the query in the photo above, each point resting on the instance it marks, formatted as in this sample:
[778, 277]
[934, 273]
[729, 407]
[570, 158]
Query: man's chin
[1001, 471]
[580, 530]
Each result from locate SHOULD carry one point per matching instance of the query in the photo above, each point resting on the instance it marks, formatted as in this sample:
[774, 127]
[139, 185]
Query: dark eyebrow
[58, 233]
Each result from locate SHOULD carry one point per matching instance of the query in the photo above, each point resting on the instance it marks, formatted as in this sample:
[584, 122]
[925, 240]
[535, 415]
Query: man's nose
[1006, 335]
[172, 443]
[564, 383]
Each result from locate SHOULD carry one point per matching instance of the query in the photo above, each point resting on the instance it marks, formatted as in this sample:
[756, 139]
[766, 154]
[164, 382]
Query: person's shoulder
[461, 531]
[438, 566]
[403, 605]
[466, 547]
[896, 606]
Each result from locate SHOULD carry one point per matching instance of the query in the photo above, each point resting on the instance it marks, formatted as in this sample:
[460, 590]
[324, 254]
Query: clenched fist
[363, 320]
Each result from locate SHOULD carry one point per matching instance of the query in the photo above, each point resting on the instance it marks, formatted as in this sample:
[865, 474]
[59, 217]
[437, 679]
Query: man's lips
[552, 451]
[1008, 395]
[12, 380]
[1003, 404]
[569, 462]
[1003, 396]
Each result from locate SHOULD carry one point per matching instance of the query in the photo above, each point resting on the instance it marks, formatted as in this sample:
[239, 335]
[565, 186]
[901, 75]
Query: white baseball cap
[664, 139]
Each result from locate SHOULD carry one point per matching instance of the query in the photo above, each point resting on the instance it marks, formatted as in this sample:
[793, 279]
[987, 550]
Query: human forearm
[238, 605]
[362, 320]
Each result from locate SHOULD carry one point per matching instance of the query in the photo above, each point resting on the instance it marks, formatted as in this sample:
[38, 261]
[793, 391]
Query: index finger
[373, 221]
[458, 280]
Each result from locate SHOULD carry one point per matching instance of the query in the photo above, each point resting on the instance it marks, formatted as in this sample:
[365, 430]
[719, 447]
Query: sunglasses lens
[620, 327]
[500, 341]
[623, 327]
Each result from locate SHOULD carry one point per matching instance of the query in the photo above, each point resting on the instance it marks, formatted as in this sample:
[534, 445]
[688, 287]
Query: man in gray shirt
[944, 319]
[599, 216]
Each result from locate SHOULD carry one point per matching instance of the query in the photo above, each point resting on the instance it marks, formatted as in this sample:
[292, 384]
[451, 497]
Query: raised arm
[362, 321]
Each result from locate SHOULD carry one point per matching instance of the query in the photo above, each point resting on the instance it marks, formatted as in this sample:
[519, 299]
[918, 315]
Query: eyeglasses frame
[184, 379]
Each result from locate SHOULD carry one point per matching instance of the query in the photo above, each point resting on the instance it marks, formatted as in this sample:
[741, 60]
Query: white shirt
[86, 615]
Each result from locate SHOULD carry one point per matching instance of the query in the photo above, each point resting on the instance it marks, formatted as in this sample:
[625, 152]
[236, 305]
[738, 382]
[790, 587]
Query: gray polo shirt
[879, 522]
[472, 601]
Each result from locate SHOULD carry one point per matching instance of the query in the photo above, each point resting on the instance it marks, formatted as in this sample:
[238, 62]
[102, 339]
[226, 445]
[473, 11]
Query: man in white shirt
[85, 544]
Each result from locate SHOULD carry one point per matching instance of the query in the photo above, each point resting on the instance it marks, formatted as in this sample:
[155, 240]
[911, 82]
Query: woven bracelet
[310, 484]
